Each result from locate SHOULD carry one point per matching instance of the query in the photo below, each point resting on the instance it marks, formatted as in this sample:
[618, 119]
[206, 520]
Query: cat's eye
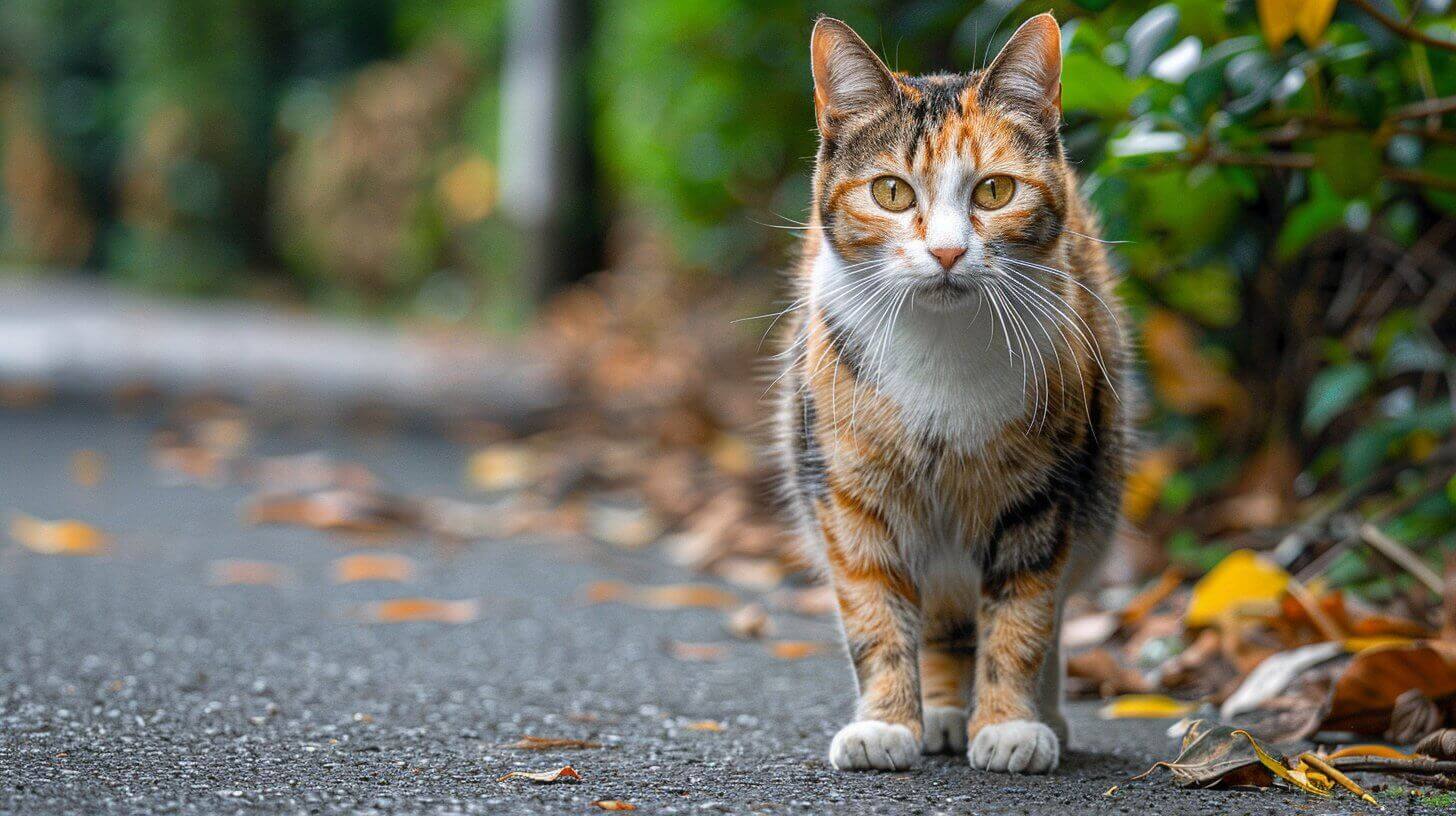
[892, 193]
[994, 193]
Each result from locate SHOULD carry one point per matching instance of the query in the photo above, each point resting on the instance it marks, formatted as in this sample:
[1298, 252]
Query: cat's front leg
[1017, 631]
[880, 614]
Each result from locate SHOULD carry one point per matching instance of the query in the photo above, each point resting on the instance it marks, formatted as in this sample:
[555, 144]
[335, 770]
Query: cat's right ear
[848, 78]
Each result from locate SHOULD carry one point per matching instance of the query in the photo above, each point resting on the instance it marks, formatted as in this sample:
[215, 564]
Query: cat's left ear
[1027, 75]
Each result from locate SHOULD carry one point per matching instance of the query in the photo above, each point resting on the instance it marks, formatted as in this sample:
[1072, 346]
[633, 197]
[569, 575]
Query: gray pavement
[129, 685]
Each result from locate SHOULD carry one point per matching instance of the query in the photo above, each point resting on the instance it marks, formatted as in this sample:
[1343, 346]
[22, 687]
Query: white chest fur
[948, 371]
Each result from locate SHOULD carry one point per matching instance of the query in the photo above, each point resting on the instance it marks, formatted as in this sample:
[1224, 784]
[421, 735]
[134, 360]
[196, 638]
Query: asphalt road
[128, 684]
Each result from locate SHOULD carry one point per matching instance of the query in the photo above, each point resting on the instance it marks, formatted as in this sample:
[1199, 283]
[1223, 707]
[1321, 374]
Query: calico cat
[954, 420]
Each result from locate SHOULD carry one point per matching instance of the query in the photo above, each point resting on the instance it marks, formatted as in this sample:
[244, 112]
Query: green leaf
[1324, 211]
[1148, 37]
[1350, 161]
[1089, 84]
[1332, 391]
[1440, 162]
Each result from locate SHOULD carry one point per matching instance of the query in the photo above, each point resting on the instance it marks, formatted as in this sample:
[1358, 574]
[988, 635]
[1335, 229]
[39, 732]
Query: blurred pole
[547, 183]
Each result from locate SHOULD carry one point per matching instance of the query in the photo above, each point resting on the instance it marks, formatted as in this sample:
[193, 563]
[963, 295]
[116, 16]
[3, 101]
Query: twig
[1333, 773]
[1423, 108]
[1417, 765]
[1402, 556]
[1397, 27]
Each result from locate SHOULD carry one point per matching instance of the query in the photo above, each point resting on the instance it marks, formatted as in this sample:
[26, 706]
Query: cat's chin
[945, 295]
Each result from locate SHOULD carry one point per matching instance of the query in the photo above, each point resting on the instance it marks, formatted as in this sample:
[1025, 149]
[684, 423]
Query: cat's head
[941, 182]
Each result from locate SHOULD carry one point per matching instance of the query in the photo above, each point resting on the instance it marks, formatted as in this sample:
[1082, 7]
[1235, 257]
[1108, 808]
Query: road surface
[129, 684]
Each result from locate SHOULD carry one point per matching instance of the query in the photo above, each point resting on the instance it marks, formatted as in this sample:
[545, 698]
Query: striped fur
[954, 440]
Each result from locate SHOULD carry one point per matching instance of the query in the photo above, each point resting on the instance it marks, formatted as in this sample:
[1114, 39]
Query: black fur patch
[809, 467]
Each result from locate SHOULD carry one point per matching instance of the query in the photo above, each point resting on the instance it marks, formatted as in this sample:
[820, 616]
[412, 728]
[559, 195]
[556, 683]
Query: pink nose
[948, 256]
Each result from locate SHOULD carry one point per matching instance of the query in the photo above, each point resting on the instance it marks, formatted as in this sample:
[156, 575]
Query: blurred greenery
[1280, 177]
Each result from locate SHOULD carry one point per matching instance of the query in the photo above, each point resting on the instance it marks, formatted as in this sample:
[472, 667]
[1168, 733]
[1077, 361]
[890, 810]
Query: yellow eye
[994, 193]
[892, 193]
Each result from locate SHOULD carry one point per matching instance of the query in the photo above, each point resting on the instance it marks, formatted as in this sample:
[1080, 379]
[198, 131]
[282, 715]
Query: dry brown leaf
[1145, 483]
[667, 596]
[408, 610]
[237, 572]
[65, 537]
[696, 652]
[1109, 677]
[88, 468]
[759, 574]
[348, 511]
[1414, 717]
[1183, 376]
[373, 567]
[1439, 744]
[565, 773]
[795, 649]
[1365, 693]
[614, 804]
[750, 622]
[530, 743]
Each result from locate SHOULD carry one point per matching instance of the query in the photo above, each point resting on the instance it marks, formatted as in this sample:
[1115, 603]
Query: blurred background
[556, 222]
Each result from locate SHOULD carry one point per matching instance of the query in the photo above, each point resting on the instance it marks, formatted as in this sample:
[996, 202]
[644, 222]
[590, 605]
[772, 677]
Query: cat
[953, 421]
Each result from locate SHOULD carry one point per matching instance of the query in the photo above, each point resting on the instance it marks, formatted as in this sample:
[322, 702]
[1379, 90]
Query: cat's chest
[952, 377]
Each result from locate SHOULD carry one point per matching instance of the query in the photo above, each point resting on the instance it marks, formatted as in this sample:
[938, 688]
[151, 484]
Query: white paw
[945, 730]
[871, 744]
[1019, 746]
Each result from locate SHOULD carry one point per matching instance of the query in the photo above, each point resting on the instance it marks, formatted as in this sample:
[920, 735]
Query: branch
[1401, 28]
[1424, 108]
[1403, 558]
[1418, 765]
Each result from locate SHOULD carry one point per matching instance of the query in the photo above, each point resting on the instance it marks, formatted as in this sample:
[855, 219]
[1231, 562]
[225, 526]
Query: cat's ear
[848, 77]
[1027, 75]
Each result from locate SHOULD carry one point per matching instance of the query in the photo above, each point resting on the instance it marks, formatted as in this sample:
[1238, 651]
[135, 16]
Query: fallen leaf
[750, 622]
[614, 804]
[624, 527]
[1365, 693]
[1243, 578]
[1413, 718]
[503, 467]
[1213, 757]
[88, 468]
[759, 574]
[1145, 706]
[565, 773]
[1369, 751]
[1274, 675]
[704, 725]
[1439, 744]
[408, 610]
[348, 511]
[236, 572]
[373, 567]
[795, 649]
[530, 743]
[696, 652]
[1183, 375]
[1086, 631]
[1108, 677]
[667, 596]
[1145, 483]
[1297, 777]
[65, 537]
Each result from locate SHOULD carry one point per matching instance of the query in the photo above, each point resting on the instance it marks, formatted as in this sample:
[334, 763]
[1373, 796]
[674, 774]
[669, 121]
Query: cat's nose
[948, 256]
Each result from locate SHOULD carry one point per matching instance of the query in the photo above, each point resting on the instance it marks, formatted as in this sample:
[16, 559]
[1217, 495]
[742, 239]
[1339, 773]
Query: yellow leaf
[614, 804]
[1299, 778]
[64, 537]
[1277, 20]
[1145, 706]
[704, 725]
[795, 649]
[1240, 579]
[1312, 18]
[1370, 750]
[1355, 645]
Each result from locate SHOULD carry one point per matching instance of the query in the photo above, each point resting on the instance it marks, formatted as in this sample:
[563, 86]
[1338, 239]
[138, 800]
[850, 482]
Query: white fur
[1018, 746]
[873, 745]
[947, 369]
